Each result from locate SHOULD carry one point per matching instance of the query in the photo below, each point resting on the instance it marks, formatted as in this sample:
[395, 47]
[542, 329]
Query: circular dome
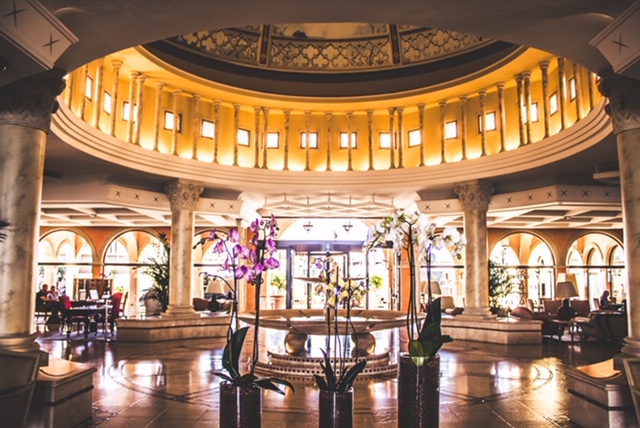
[332, 59]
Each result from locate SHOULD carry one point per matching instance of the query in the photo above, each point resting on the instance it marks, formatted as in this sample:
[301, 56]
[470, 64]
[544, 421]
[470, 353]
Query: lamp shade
[435, 288]
[215, 287]
[566, 289]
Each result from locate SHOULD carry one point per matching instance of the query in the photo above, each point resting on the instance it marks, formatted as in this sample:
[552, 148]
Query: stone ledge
[504, 331]
[159, 329]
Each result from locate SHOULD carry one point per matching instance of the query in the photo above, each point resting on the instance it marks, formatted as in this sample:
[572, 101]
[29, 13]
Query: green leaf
[284, 383]
[268, 384]
[223, 376]
[347, 380]
[232, 351]
[321, 383]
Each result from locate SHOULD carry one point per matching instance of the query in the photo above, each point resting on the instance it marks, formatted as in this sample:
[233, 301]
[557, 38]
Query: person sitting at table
[53, 295]
[41, 296]
[566, 312]
[605, 303]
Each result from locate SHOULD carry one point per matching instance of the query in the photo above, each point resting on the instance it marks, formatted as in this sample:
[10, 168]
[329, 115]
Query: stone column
[400, 138]
[562, 99]
[482, 99]
[25, 115]
[287, 126]
[526, 76]
[183, 196]
[624, 107]
[176, 122]
[544, 68]
[349, 142]
[195, 125]
[519, 109]
[370, 137]
[256, 140]
[421, 119]
[475, 197]
[443, 111]
[265, 115]
[137, 123]
[329, 120]
[115, 80]
[463, 126]
[236, 127]
[97, 95]
[577, 80]
[307, 144]
[392, 160]
[216, 129]
[157, 115]
[83, 91]
[133, 75]
[502, 120]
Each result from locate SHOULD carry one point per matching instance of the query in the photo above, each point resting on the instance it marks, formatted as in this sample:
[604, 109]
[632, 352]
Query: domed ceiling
[333, 59]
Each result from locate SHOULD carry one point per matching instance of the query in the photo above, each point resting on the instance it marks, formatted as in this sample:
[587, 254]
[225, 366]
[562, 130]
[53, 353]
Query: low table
[559, 326]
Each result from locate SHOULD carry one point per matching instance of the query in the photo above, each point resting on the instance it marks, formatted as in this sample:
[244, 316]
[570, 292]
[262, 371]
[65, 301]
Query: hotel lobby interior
[122, 123]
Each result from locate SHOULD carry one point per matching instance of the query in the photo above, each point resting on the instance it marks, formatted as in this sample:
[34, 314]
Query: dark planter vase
[336, 410]
[240, 406]
[418, 393]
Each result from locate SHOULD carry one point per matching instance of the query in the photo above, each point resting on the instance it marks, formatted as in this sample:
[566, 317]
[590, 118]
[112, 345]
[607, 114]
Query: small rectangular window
[533, 111]
[208, 129]
[88, 88]
[273, 140]
[125, 111]
[106, 103]
[572, 89]
[243, 137]
[343, 140]
[553, 103]
[451, 130]
[313, 140]
[414, 138]
[489, 120]
[384, 140]
[171, 121]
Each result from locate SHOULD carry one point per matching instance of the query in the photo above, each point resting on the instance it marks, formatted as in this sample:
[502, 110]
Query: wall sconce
[307, 225]
[347, 226]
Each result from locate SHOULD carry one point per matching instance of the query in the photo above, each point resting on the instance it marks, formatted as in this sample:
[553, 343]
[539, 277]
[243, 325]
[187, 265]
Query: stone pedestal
[160, 329]
[503, 331]
[599, 397]
[62, 396]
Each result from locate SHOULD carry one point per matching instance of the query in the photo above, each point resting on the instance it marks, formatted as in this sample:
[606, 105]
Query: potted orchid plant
[336, 393]
[240, 393]
[419, 368]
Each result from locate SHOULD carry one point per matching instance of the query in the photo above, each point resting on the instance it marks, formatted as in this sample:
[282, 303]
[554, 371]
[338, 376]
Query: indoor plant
[336, 393]
[240, 394]
[158, 269]
[419, 368]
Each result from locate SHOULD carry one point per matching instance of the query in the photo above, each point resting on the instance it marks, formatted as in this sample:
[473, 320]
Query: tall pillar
[115, 80]
[97, 95]
[624, 107]
[475, 197]
[544, 68]
[502, 120]
[216, 129]
[176, 122]
[421, 120]
[133, 75]
[183, 197]
[349, 142]
[443, 110]
[236, 127]
[137, 123]
[25, 116]
[256, 158]
[307, 144]
[265, 115]
[463, 126]
[157, 115]
[392, 161]
[287, 126]
[562, 95]
[520, 110]
[195, 125]
[400, 138]
[577, 81]
[329, 119]
[370, 137]
[526, 76]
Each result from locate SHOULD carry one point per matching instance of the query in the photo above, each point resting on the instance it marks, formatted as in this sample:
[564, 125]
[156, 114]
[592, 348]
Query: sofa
[604, 325]
[523, 312]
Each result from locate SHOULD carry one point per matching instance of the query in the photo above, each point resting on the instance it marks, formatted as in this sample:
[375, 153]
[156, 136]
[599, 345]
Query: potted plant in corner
[336, 386]
[241, 394]
[156, 298]
[419, 368]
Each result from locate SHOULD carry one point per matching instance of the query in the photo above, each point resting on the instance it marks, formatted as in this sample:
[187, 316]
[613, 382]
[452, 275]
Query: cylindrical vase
[240, 406]
[336, 409]
[418, 392]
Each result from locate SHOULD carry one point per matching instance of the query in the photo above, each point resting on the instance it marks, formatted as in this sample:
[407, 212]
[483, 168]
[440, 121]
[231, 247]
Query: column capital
[31, 101]
[624, 101]
[183, 195]
[462, 99]
[474, 195]
[544, 65]
[500, 85]
[116, 64]
[159, 86]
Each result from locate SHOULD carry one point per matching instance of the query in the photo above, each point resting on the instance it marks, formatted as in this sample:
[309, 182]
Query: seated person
[566, 312]
[53, 294]
[604, 301]
[41, 296]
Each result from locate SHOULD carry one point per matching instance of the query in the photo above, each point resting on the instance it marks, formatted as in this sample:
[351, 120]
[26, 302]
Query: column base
[178, 311]
[20, 343]
[476, 313]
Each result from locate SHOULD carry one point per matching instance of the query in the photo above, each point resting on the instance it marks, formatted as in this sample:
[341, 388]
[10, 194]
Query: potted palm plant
[241, 393]
[336, 386]
[419, 368]
[158, 269]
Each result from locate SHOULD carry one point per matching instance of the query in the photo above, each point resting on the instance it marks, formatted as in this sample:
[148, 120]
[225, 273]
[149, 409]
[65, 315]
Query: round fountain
[298, 361]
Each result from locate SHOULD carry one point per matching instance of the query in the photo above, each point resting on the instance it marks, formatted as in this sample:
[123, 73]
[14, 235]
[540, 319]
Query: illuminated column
[157, 115]
[421, 118]
[287, 125]
[307, 144]
[236, 126]
[561, 92]
[329, 119]
[400, 110]
[195, 125]
[83, 92]
[578, 82]
[216, 129]
[265, 114]
[115, 83]
[132, 93]
[527, 105]
[519, 109]
[502, 120]
[482, 96]
[624, 106]
[174, 131]
[443, 110]
[392, 133]
[183, 197]
[463, 126]
[97, 94]
[256, 161]
[475, 197]
[349, 142]
[25, 115]
[138, 112]
[590, 77]
[370, 137]
[544, 68]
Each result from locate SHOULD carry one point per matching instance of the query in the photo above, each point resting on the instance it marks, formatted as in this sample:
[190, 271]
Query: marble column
[520, 110]
[236, 127]
[256, 140]
[502, 119]
[475, 197]
[482, 100]
[463, 126]
[443, 111]
[157, 115]
[216, 129]
[577, 81]
[307, 141]
[176, 121]
[287, 127]
[115, 80]
[329, 121]
[561, 93]
[624, 107]
[25, 115]
[400, 138]
[370, 137]
[195, 125]
[544, 69]
[265, 133]
[392, 160]
[97, 95]
[137, 123]
[183, 197]
[133, 75]
[526, 76]
[349, 142]
[421, 120]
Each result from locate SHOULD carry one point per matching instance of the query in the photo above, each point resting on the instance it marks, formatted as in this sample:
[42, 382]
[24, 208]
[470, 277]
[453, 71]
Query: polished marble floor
[171, 384]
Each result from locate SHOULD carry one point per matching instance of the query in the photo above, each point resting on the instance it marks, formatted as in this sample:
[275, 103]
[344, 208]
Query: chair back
[116, 299]
[65, 301]
[123, 306]
[596, 304]
[552, 306]
[17, 382]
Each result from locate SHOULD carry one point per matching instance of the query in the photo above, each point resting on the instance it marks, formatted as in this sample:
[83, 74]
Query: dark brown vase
[240, 406]
[336, 410]
[418, 393]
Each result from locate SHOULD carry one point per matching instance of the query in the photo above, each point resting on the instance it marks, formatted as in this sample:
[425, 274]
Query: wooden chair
[17, 382]
[112, 315]
[596, 304]
[123, 306]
